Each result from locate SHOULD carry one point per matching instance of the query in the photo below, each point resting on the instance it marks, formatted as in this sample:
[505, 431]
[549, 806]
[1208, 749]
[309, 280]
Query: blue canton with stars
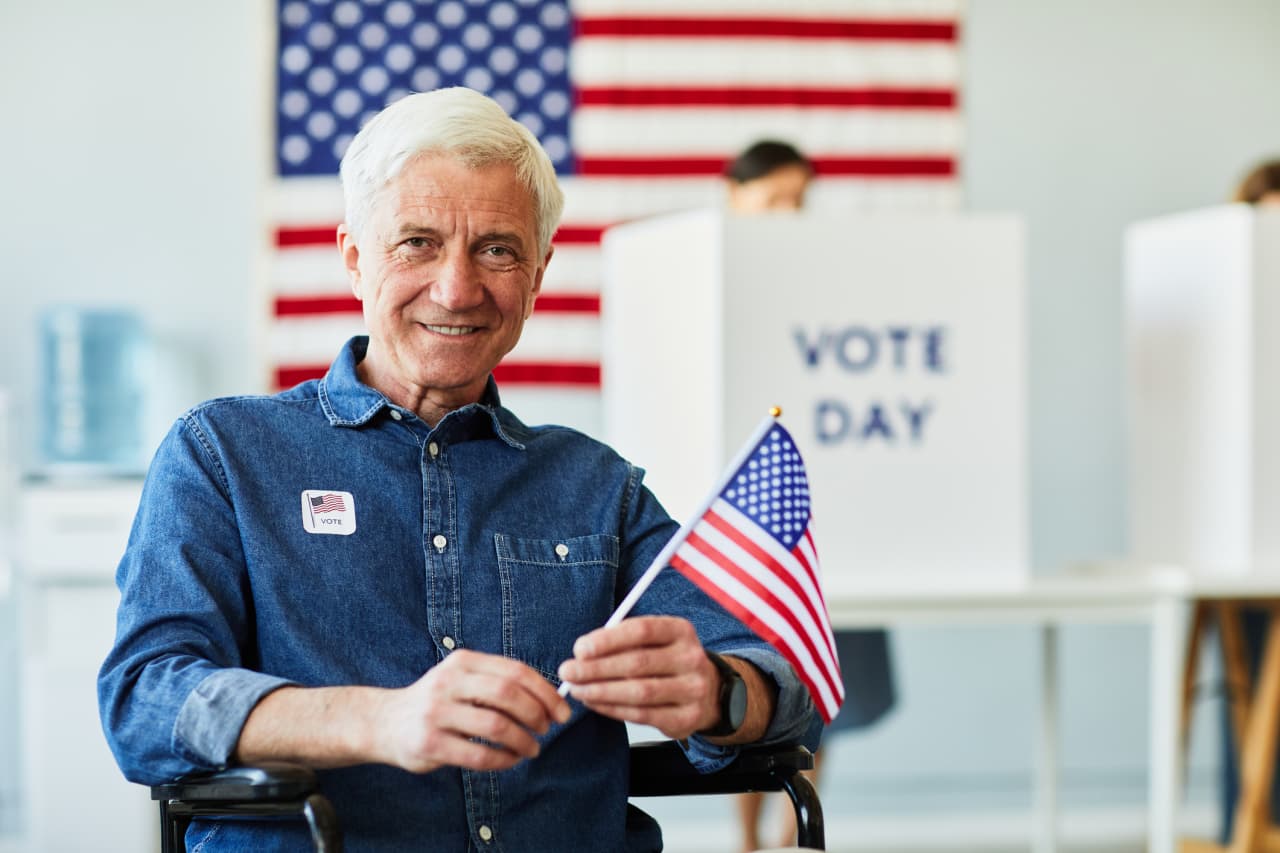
[341, 62]
[771, 488]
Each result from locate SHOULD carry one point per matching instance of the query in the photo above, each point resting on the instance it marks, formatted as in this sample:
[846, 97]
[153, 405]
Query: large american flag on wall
[638, 102]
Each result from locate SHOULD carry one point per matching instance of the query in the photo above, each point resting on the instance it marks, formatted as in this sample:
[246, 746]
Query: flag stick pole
[669, 550]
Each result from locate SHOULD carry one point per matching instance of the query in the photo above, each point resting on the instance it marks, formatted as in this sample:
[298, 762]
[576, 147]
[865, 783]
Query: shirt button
[433, 449]
[486, 834]
[562, 550]
[395, 416]
[448, 643]
[439, 541]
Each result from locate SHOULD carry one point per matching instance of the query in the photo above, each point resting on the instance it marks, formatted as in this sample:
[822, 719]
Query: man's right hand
[436, 720]
[433, 722]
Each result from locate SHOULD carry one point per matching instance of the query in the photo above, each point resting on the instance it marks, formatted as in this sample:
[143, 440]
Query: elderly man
[384, 573]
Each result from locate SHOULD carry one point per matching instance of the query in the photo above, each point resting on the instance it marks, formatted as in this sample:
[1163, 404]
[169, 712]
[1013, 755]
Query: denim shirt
[480, 533]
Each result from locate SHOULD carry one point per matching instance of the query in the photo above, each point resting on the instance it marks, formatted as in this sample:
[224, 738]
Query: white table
[1159, 597]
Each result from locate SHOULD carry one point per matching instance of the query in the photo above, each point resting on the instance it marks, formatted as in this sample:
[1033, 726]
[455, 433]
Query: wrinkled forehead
[431, 185]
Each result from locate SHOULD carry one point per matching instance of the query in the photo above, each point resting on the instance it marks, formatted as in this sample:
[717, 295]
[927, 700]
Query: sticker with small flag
[331, 512]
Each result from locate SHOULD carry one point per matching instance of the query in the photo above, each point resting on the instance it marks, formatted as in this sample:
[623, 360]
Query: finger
[642, 692]
[505, 696]
[648, 661]
[633, 633]
[456, 750]
[494, 726]
[681, 656]
[525, 682]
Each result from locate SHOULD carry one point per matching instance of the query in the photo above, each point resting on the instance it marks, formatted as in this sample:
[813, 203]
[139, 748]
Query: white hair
[456, 122]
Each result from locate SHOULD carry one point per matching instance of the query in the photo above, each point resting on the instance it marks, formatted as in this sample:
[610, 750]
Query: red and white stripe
[773, 591]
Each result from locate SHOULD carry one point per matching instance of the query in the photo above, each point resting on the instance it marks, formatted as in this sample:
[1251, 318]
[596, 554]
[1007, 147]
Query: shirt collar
[348, 402]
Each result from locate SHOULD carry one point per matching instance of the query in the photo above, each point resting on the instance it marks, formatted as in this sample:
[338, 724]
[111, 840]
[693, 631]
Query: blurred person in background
[1259, 187]
[768, 177]
[773, 177]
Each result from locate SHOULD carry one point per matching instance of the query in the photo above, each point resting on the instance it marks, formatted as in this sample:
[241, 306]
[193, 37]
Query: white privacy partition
[896, 346]
[1203, 313]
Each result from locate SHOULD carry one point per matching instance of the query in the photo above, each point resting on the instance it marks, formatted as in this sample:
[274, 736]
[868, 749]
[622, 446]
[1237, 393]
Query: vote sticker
[328, 512]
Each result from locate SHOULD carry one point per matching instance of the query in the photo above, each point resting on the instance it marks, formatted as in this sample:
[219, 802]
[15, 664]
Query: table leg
[1253, 819]
[1046, 787]
[1169, 623]
[1235, 664]
[1200, 617]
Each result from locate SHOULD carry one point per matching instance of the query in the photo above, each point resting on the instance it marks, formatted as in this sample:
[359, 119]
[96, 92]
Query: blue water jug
[93, 389]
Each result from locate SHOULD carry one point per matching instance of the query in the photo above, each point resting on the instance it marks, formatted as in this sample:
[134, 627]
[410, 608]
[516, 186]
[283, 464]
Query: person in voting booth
[772, 176]
[1260, 187]
[385, 574]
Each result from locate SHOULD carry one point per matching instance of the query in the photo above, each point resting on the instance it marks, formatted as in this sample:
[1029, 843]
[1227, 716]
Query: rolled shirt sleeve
[209, 722]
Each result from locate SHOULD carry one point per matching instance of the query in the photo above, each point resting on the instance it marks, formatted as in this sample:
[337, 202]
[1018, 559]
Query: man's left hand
[649, 670]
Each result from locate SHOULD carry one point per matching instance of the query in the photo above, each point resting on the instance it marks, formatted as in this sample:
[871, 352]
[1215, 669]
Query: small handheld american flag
[751, 549]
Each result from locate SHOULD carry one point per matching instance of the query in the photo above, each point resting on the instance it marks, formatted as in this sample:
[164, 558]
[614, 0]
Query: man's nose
[457, 284]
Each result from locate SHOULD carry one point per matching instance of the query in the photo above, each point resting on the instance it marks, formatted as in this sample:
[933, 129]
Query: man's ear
[350, 253]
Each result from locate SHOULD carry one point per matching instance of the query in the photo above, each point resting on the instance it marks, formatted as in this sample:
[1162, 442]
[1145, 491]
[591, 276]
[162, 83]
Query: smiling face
[447, 268]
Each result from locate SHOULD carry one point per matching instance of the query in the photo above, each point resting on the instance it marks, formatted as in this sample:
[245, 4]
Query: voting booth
[895, 345]
[1203, 312]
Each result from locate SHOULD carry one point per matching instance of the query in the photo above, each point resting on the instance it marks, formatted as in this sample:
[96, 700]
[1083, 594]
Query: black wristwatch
[733, 699]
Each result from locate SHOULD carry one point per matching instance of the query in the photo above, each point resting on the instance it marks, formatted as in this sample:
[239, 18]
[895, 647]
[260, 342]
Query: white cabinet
[70, 539]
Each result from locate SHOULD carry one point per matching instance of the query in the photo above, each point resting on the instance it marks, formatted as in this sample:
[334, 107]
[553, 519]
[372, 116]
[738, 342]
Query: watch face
[738, 703]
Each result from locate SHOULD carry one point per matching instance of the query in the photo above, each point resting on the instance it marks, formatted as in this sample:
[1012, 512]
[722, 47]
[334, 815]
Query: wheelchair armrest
[266, 790]
[265, 783]
[660, 769]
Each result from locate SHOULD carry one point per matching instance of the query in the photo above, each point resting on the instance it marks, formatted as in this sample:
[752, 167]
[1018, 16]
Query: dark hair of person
[762, 158]
[1264, 179]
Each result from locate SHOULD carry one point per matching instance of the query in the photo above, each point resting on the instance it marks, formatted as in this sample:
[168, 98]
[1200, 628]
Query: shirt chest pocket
[554, 591]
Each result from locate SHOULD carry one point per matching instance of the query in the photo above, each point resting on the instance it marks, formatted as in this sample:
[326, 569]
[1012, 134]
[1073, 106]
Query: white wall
[134, 142]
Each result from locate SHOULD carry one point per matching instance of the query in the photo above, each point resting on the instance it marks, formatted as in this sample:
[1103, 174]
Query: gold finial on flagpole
[775, 411]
